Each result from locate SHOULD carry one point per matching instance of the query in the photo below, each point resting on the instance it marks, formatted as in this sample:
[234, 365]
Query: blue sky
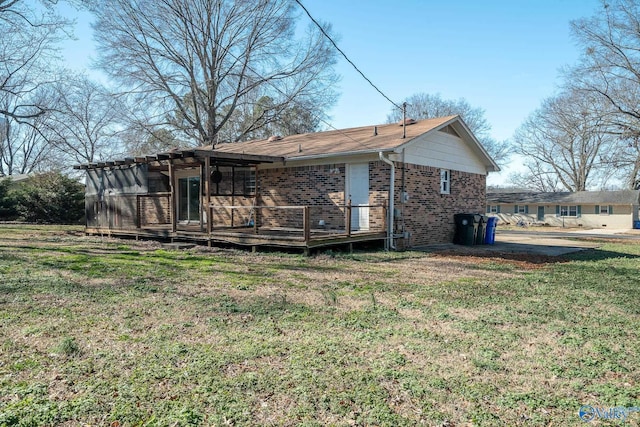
[504, 56]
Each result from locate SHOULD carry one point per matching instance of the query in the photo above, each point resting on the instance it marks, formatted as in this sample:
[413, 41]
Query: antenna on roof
[404, 120]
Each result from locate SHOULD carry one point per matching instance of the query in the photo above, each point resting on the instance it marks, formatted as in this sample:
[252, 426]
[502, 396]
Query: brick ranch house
[310, 190]
[617, 209]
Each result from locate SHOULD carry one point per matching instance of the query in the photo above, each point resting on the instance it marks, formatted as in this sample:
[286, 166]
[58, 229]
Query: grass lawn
[122, 333]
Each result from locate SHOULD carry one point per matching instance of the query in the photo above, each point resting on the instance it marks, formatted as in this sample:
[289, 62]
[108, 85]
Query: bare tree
[610, 68]
[140, 141]
[266, 117]
[85, 121]
[426, 106]
[537, 176]
[27, 53]
[23, 148]
[567, 137]
[193, 63]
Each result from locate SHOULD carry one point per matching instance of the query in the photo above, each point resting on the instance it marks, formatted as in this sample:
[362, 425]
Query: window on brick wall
[445, 181]
[233, 181]
[250, 182]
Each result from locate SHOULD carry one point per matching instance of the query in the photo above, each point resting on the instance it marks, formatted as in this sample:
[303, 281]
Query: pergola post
[207, 191]
[172, 189]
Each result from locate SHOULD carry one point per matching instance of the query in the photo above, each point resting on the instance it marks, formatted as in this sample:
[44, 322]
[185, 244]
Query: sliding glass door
[189, 199]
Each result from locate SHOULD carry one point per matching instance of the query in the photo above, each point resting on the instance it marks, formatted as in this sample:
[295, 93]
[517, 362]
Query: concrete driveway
[540, 243]
[548, 242]
[554, 242]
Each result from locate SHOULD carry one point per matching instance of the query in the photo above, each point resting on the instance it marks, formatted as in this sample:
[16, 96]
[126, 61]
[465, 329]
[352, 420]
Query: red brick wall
[320, 187]
[428, 215]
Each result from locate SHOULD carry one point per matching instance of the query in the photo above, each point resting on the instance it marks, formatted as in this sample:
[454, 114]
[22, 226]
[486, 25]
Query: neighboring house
[591, 209]
[307, 190]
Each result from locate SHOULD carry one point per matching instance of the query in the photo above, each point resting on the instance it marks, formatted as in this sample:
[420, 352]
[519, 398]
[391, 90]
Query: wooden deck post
[207, 198]
[172, 189]
[201, 198]
[347, 220]
[306, 223]
[255, 219]
[138, 209]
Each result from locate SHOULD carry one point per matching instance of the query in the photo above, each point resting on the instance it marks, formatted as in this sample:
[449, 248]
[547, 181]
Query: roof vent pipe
[375, 131]
[389, 243]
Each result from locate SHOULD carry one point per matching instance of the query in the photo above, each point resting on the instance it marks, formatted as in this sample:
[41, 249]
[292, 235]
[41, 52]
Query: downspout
[392, 177]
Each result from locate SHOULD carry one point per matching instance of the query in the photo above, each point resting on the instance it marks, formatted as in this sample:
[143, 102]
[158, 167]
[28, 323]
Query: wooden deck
[246, 236]
[294, 228]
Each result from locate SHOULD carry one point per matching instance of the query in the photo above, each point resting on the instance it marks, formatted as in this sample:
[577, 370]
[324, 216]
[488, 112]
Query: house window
[233, 181]
[445, 181]
[604, 210]
[250, 181]
[522, 209]
[492, 209]
[568, 211]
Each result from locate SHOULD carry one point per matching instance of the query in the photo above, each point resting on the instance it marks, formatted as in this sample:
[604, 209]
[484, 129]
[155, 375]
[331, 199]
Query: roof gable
[455, 126]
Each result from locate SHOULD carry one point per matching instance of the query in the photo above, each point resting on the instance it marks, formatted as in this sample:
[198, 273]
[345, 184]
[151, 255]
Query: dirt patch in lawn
[520, 261]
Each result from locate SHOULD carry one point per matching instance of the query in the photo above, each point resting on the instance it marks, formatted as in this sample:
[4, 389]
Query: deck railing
[306, 221]
[299, 220]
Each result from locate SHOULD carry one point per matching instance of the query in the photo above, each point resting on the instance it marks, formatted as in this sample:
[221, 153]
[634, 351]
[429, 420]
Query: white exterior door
[358, 192]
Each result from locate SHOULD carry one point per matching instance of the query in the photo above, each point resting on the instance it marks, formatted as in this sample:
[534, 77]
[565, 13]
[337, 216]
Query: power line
[345, 56]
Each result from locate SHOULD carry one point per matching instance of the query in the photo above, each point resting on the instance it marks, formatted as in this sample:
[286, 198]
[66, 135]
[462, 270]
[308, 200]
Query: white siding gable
[442, 150]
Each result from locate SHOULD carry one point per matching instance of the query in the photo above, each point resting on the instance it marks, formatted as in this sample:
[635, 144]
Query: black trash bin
[466, 229]
[482, 229]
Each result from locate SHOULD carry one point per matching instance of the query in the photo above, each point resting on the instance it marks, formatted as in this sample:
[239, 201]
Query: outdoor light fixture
[216, 176]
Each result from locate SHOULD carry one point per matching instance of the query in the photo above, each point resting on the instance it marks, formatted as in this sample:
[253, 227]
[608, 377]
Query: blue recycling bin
[490, 235]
